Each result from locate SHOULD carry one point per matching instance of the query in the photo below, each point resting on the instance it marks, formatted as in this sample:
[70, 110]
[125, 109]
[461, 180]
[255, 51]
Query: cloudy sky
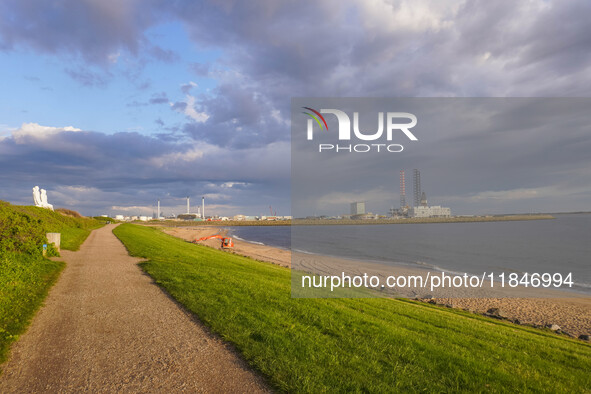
[475, 155]
[112, 104]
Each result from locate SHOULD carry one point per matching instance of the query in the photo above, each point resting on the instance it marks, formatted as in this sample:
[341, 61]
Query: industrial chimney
[402, 190]
[417, 187]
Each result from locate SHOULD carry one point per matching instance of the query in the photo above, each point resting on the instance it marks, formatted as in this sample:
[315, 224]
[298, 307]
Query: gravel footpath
[107, 327]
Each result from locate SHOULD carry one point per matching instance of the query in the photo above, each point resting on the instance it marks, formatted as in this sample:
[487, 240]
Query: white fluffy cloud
[37, 131]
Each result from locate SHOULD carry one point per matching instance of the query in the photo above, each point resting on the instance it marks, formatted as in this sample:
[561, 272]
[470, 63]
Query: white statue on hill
[40, 198]
[36, 196]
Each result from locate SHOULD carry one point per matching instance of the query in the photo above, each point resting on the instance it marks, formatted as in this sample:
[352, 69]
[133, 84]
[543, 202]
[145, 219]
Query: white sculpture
[36, 196]
[40, 198]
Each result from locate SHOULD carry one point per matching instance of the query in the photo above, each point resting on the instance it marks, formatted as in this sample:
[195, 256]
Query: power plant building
[357, 208]
[435, 211]
[426, 211]
[421, 208]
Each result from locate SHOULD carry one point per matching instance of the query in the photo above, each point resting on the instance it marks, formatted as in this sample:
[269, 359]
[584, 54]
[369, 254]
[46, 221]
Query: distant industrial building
[404, 208]
[425, 211]
[191, 216]
[421, 208]
[435, 211]
[188, 216]
[417, 187]
[402, 190]
[244, 217]
[357, 208]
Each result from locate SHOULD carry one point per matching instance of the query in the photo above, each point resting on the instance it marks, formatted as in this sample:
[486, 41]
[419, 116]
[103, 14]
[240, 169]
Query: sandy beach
[571, 312]
[258, 252]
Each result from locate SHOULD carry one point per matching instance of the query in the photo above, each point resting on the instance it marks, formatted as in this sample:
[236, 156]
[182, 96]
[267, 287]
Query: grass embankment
[360, 345]
[25, 275]
[74, 230]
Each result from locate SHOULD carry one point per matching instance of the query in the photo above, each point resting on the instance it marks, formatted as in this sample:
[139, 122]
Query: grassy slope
[25, 275]
[377, 345]
[74, 230]
[24, 283]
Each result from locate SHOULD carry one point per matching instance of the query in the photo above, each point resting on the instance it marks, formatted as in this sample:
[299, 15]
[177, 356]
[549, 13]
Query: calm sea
[559, 245]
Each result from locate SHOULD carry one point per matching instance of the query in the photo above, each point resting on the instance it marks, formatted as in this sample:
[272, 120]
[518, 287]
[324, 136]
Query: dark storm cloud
[129, 169]
[475, 155]
[275, 52]
[331, 47]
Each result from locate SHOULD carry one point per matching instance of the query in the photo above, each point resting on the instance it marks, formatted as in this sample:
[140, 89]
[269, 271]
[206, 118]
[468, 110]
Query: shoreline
[575, 291]
[571, 311]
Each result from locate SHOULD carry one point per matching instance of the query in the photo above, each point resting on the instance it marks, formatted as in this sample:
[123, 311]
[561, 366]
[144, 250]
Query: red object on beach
[226, 241]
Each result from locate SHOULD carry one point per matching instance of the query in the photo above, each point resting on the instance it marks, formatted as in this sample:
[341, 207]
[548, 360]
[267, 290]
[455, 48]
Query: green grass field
[74, 230]
[358, 345]
[25, 275]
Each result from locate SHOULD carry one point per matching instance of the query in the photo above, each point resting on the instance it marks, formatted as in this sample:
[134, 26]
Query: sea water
[561, 245]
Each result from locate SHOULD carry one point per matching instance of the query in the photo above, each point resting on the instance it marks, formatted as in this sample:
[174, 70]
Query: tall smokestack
[188, 205]
[158, 210]
[402, 190]
[417, 187]
[203, 207]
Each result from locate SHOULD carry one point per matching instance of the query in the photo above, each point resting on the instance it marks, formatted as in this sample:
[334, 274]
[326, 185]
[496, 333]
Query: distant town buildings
[197, 218]
[240, 218]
